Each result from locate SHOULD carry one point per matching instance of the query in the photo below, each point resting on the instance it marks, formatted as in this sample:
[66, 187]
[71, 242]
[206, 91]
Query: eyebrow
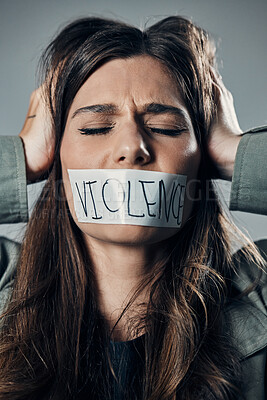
[97, 109]
[151, 108]
[158, 108]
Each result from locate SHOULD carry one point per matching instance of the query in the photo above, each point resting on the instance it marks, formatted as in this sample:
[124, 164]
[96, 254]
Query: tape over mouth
[128, 197]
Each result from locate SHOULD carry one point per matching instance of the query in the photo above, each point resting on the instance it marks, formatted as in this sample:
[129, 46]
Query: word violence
[130, 201]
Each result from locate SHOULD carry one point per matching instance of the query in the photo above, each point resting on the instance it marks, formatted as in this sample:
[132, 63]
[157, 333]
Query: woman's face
[140, 122]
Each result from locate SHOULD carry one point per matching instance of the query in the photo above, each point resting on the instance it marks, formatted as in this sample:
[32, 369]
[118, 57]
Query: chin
[131, 235]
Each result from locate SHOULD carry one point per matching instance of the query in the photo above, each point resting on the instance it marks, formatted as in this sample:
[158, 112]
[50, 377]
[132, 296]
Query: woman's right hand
[38, 137]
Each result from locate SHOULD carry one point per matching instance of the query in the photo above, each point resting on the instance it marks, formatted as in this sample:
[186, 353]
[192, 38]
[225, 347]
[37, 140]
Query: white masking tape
[127, 196]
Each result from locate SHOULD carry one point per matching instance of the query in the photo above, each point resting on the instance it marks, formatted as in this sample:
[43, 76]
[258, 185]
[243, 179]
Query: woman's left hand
[38, 137]
[225, 132]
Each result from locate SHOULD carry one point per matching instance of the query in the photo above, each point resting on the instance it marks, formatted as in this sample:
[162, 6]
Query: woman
[104, 311]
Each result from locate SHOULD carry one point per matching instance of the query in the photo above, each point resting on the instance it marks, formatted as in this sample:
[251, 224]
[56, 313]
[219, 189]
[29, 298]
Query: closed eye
[106, 129]
[167, 132]
[95, 131]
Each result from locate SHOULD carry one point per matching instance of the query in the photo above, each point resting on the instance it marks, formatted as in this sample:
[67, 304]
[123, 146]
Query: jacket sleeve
[13, 207]
[249, 184]
[13, 184]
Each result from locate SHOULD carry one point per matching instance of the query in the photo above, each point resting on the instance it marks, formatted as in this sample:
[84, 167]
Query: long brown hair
[54, 343]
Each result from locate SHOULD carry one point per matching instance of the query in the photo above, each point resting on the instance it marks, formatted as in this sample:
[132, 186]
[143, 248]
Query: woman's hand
[38, 137]
[225, 132]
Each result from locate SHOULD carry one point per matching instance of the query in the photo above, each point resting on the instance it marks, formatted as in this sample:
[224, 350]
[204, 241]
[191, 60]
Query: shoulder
[247, 314]
[246, 324]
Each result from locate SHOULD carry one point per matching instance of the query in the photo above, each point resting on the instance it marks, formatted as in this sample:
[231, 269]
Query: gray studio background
[239, 26]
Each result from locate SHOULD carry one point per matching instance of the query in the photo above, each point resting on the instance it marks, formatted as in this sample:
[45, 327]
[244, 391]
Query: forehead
[140, 79]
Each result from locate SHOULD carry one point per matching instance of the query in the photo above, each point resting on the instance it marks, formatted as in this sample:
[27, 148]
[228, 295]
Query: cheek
[83, 153]
[73, 153]
[182, 158]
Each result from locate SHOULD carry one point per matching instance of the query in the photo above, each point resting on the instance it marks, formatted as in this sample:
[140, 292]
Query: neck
[119, 270]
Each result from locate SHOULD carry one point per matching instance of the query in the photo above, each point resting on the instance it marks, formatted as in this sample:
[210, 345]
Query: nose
[131, 148]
